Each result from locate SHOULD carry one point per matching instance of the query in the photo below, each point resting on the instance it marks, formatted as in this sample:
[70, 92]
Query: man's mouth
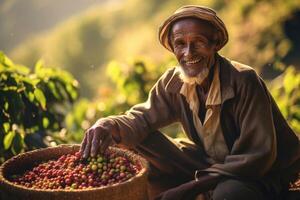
[191, 62]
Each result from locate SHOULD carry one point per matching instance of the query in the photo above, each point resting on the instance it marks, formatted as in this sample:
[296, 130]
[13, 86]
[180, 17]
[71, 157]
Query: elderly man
[239, 147]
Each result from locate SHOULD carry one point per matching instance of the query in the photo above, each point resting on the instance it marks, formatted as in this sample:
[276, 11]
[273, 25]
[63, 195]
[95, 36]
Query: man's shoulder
[239, 71]
[237, 67]
[240, 67]
[171, 80]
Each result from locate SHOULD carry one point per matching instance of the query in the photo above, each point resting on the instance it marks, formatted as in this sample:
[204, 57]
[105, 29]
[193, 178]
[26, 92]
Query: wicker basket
[132, 189]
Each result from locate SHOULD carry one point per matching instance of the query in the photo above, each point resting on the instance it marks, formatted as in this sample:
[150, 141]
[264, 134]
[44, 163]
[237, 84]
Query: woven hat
[195, 11]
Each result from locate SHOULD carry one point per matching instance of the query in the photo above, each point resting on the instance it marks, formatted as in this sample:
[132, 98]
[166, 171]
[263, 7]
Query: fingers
[87, 148]
[98, 137]
[105, 143]
[95, 144]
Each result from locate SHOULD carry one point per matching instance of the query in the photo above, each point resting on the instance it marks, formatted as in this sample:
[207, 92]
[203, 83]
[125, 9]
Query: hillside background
[111, 49]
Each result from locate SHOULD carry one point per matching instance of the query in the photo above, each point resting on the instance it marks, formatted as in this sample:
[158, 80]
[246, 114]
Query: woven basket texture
[132, 189]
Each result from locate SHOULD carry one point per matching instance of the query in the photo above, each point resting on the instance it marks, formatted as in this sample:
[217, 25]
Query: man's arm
[158, 111]
[132, 127]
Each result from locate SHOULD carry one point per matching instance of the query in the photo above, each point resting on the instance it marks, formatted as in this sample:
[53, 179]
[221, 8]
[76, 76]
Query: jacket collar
[226, 77]
[175, 83]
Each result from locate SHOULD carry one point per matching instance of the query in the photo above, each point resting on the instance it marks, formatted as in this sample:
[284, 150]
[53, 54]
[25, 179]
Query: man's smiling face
[194, 44]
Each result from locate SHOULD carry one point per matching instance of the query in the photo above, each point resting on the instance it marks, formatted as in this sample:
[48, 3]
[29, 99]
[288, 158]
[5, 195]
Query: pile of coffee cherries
[296, 185]
[72, 172]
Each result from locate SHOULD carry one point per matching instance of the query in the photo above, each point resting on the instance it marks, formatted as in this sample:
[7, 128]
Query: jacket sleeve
[254, 152]
[141, 119]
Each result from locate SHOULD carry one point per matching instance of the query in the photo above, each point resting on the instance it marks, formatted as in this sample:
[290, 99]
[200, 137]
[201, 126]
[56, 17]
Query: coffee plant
[286, 91]
[33, 105]
[130, 83]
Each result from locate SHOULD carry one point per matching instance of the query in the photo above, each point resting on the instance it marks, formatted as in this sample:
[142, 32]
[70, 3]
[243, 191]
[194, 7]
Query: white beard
[193, 80]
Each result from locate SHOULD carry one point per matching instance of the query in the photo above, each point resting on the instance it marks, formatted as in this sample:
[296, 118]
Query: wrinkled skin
[192, 40]
[98, 137]
[194, 44]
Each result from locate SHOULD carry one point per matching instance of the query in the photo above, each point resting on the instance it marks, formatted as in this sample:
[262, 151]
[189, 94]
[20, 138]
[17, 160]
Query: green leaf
[6, 127]
[8, 138]
[2, 68]
[3, 77]
[45, 122]
[32, 80]
[5, 60]
[6, 105]
[40, 97]
[16, 106]
[51, 86]
[10, 88]
[30, 96]
[290, 81]
[72, 92]
[17, 144]
[38, 66]
[61, 90]
[22, 69]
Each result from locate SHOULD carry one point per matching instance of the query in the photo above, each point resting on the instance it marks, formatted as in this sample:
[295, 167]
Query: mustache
[195, 58]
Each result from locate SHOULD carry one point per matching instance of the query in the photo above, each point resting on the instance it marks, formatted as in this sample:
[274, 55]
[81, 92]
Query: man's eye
[179, 44]
[201, 44]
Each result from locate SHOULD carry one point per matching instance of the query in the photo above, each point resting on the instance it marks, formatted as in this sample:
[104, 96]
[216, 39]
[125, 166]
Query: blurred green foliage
[33, 105]
[128, 29]
[114, 53]
[130, 85]
[133, 81]
[286, 91]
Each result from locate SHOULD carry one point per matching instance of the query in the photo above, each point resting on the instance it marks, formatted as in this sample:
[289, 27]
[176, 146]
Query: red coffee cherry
[71, 172]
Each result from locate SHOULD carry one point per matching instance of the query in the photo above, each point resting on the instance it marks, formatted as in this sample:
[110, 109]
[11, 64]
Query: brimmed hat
[200, 12]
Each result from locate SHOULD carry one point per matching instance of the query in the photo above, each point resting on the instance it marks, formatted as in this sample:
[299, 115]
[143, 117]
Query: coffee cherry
[74, 186]
[71, 172]
[99, 159]
[94, 167]
[122, 168]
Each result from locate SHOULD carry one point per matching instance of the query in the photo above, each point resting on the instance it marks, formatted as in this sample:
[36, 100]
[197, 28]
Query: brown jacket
[257, 135]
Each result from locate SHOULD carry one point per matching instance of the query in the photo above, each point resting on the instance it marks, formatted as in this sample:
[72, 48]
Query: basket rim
[141, 174]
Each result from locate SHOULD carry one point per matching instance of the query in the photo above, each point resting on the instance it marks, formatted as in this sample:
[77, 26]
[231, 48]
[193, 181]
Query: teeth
[193, 61]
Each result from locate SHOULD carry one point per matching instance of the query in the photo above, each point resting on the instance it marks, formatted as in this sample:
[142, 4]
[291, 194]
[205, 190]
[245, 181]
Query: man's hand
[98, 137]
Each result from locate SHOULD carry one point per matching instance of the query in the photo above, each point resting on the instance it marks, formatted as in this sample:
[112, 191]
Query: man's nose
[189, 51]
